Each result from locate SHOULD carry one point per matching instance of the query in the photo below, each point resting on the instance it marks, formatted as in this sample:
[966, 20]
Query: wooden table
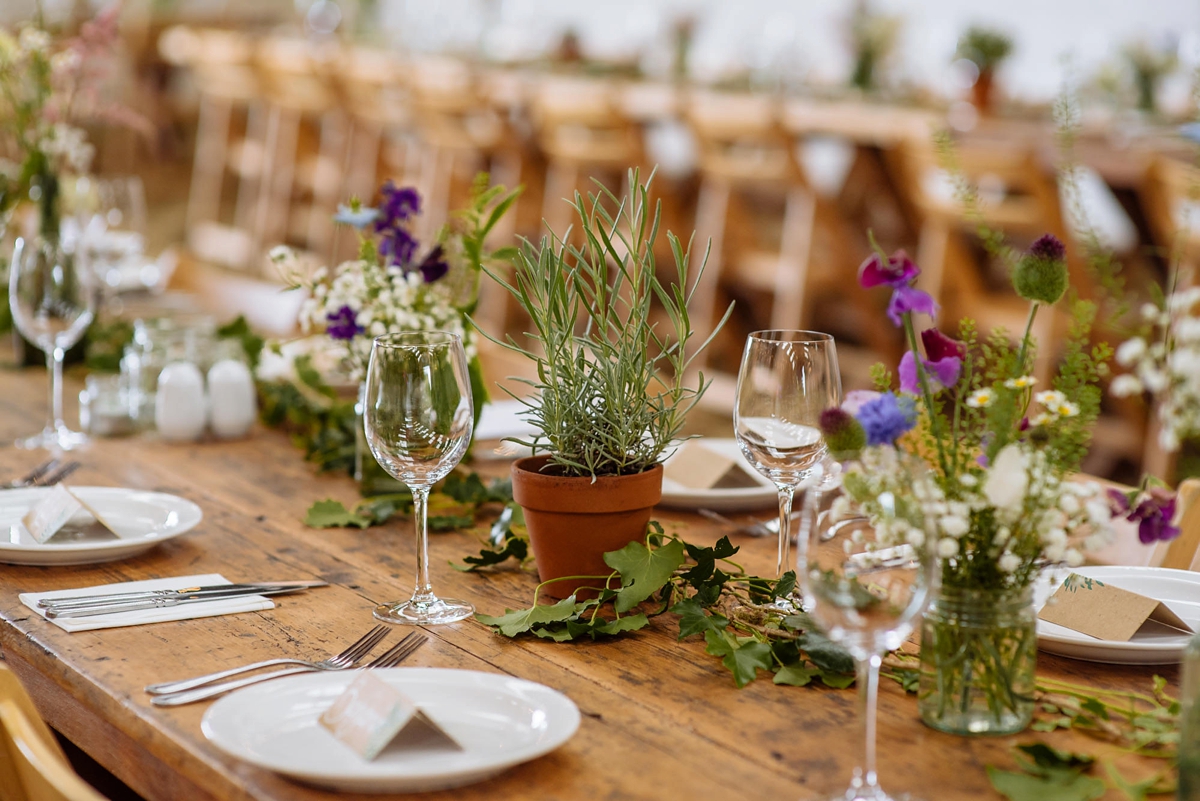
[661, 719]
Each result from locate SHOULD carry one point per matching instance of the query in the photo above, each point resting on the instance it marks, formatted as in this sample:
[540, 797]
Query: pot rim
[582, 495]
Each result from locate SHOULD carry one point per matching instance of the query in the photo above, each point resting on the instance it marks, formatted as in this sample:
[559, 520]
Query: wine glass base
[424, 613]
[870, 794]
[51, 439]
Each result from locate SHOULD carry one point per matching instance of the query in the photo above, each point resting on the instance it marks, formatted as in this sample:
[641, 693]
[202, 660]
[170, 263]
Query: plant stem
[1033, 310]
[923, 379]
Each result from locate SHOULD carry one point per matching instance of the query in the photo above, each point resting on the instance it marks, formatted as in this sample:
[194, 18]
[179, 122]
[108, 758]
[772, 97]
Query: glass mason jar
[978, 655]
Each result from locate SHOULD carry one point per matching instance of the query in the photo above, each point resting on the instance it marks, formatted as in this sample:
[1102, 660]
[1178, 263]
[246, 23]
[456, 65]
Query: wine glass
[418, 420]
[115, 236]
[786, 380]
[864, 584]
[52, 304]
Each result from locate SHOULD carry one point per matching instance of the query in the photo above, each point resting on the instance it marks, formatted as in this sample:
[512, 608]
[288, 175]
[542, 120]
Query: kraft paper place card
[696, 467]
[1105, 612]
[371, 714]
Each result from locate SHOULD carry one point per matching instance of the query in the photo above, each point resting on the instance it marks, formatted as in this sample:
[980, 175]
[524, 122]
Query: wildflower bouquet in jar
[981, 459]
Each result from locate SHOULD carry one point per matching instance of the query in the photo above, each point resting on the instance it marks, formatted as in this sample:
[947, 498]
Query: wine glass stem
[868, 692]
[54, 364]
[785, 530]
[424, 590]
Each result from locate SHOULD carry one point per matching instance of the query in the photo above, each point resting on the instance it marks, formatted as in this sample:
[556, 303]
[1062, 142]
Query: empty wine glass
[115, 236]
[418, 420]
[786, 380]
[52, 304]
[864, 584]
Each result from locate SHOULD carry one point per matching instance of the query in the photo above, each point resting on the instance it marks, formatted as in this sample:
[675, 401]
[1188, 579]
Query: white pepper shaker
[180, 408]
[233, 404]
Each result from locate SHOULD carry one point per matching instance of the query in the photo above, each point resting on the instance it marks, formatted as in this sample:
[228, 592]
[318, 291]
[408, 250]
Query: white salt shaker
[180, 408]
[233, 403]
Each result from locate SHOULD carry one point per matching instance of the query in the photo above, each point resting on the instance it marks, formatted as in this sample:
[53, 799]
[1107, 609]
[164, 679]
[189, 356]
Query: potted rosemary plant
[985, 49]
[612, 386]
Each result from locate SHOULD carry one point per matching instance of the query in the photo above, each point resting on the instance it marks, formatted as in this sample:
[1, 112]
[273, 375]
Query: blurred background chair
[33, 766]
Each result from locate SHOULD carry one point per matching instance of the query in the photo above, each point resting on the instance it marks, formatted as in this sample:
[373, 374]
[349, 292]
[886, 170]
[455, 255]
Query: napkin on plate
[186, 611]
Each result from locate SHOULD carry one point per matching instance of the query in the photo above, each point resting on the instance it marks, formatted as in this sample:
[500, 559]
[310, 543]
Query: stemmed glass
[787, 379]
[52, 304]
[418, 421]
[866, 592]
[115, 236]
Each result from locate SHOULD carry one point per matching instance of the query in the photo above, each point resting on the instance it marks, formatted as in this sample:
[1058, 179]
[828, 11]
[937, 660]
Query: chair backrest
[580, 121]
[32, 765]
[1172, 202]
[740, 139]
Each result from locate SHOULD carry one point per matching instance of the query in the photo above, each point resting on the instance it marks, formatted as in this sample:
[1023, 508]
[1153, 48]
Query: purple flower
[898, 271]
[906, 299]
[398, 204]
[1048, 246]
[938, 346]
[943, 365]
[886, 418]
[1153, 511]
[942, 373]
[343, 324]
[433, 266]
[398, 247]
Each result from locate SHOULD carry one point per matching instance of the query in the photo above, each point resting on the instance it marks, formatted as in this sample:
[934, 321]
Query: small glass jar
[1189, 723]
[978, 656]
[107, 407]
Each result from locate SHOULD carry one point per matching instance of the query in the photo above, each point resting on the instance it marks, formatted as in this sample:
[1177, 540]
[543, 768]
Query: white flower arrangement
[1164, 361]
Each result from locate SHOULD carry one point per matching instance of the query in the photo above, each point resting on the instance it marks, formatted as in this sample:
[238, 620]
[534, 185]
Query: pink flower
[938, 346]
[898, 271]
[857, 399]
[942, 373]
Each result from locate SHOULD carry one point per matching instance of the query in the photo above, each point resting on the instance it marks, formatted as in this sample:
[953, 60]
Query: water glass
[866, 592]
[418, 421]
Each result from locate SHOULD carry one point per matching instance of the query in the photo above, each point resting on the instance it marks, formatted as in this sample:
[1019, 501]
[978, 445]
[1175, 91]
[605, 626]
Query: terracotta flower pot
[573, 521]
[981, 93]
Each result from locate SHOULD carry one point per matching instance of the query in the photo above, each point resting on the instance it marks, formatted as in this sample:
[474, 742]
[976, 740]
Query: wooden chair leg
[712, 208]
[326, 193]
[561, 182]
[252, 183]
[208, 167]
[791, 275]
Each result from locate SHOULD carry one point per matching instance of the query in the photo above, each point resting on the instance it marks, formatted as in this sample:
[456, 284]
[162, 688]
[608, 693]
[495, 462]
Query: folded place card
[51, 513]
[1105, 612]
[697, 467]
[370, 714]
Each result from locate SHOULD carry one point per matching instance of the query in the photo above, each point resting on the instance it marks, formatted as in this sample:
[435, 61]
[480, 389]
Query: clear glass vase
[978, 656]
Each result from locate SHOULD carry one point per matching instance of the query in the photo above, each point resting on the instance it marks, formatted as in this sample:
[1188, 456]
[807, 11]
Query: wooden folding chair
[32, 764]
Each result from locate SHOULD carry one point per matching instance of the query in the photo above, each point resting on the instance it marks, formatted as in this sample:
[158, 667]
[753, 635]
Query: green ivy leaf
[693, 619]
[450, 522]
[643, 571]
[838, 681]
[627, 623]
[1051, 724]
[1096, 707]
[466, 489]
[514, 622]
[515, 547]
[1137, 791]
[796, 675]
[332, 514]
[743, 656]
[786, 584]
[1028, 787]
[1050, 758]
[909, 679]
[826, 654]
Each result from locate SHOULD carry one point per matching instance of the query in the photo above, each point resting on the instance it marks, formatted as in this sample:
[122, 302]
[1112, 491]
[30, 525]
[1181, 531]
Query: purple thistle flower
[886, 418]
[906, 299]
[433, 266]
[898, 271]
[343, 324]
[1049, 247]
[398, 204]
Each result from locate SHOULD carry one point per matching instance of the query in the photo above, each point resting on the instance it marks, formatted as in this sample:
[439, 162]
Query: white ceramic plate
[141, 520]
[1154, 644]
[498, 720]
[764, 496]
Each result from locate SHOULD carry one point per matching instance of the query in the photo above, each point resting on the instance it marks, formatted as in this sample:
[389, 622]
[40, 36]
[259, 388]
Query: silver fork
[391, 657]
[335, 662]
[33, 475]
[50, 479]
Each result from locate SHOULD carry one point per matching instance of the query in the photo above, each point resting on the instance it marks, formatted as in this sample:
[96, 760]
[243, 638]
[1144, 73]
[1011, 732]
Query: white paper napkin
[187, 611]
[503, 418]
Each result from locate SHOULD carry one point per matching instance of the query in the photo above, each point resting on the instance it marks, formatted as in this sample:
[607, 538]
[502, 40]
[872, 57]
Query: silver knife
[86, 600]
[136, 605]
